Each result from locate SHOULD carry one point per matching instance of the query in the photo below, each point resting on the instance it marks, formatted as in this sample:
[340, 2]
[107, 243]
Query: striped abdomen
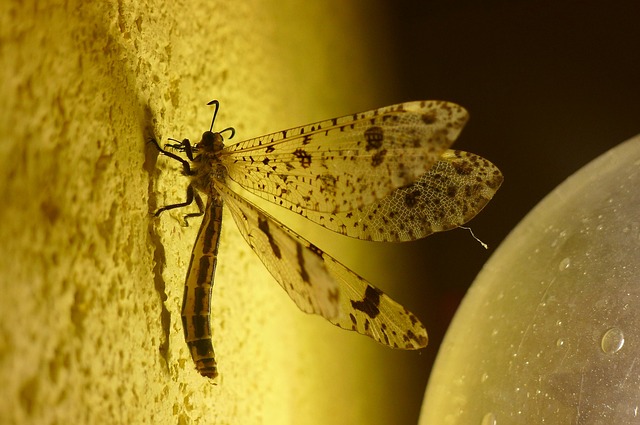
[196, 305]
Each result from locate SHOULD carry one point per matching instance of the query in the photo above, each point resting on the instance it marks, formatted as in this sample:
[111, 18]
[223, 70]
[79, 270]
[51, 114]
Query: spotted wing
[319, 284]
[297, 267]
[451, 193]
[345, 163]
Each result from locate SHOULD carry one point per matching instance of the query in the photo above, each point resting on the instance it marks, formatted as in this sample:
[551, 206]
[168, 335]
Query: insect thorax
[206, 166]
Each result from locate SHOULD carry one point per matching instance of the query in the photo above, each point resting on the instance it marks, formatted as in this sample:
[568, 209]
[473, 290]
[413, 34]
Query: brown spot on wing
[370, 303]
[374, 137]
[304, 157]
[263, 225]
[378, 158]
[411, 198]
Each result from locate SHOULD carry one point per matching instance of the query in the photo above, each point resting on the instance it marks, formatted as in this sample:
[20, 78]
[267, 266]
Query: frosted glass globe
[550, 330]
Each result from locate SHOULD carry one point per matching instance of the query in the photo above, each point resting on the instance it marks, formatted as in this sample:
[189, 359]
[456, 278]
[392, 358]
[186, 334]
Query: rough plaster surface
[90, 284]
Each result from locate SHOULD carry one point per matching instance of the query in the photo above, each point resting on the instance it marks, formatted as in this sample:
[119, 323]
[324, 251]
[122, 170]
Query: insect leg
[184, 145]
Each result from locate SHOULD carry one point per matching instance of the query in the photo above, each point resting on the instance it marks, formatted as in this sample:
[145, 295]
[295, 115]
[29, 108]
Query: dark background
[550, 85]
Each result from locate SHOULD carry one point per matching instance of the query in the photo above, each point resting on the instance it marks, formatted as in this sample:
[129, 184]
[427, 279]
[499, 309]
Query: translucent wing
[451, 193]
[297, 266]
[368, 311]
[345, 163]
[319, 284]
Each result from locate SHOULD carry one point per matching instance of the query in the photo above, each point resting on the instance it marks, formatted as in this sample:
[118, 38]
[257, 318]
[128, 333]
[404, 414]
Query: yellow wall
[91, 284]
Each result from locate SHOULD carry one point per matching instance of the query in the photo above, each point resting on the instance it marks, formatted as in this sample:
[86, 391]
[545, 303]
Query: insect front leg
[183, 146]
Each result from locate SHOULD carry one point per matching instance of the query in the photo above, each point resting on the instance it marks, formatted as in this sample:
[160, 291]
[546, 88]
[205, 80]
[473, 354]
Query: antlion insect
[382, 175]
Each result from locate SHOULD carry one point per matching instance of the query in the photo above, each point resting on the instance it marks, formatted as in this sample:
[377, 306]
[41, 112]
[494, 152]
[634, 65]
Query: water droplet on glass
[489, 419]
[612, 341]
[564, 264]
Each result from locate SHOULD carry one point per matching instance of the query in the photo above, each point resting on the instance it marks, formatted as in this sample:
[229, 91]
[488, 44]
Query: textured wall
[91, 284]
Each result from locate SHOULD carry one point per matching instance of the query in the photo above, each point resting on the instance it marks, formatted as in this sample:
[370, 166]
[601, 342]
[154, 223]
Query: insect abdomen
[196, 306]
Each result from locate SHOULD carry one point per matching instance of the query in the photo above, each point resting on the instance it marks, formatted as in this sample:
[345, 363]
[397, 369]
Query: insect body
[381, 175]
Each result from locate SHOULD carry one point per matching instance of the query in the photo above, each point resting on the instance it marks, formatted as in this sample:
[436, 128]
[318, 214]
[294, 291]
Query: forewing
[451, 193]
[345, 163]
[319, 284]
